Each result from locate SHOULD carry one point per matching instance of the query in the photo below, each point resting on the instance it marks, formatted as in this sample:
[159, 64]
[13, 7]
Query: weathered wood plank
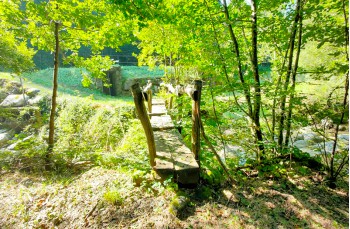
[164, 161]
[163, 122]
[158, 110]
[186, 169]
[158, 102]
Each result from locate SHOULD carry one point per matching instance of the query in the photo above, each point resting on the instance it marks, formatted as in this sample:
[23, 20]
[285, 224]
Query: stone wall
[114, 78]
[121, 86]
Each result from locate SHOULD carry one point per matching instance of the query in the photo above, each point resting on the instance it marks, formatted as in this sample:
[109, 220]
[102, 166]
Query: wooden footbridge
[168, 153]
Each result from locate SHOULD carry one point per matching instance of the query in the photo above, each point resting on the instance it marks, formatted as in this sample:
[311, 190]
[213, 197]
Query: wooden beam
[148, 91]
[196, 98]
[142, 114]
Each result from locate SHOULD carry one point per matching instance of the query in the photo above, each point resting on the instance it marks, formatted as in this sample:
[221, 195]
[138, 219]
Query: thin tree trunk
[257, 88]
[286, 82]
[334, 174]
[345, 103]
[240, 69]
[222, 59]
[291, 98]
[54, 95]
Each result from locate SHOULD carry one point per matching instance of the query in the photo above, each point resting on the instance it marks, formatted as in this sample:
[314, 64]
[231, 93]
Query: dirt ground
[104, 198]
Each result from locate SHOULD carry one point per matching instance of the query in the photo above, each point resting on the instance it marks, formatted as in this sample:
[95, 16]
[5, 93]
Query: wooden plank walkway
[173, 157]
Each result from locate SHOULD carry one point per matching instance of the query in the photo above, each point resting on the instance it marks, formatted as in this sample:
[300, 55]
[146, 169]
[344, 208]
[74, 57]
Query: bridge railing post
[148, 91]
[195, 94]
[143, 116]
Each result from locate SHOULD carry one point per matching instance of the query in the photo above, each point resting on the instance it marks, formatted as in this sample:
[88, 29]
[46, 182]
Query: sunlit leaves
[14, 54]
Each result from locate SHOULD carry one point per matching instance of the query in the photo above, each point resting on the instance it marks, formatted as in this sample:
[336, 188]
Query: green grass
[69, 82]
[69, 85]
[141, 72]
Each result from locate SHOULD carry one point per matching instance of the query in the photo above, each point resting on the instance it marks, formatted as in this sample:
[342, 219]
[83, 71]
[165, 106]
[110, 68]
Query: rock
[329, 146]
[32, 92]
[3, 82]
[13, 87]
[310, 151]
[128, 83]
[35, 100]
[14, 101]
[343, 128]
[4, 137]
[314, 137]
[297, 136]
[14, 145]
[232, 152]
[3, 95]
[301, 144]
[343, 137]
[228, 134]
[327, 123]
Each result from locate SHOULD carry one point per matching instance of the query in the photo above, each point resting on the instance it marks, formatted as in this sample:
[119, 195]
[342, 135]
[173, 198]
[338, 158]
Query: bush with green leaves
[84, 130]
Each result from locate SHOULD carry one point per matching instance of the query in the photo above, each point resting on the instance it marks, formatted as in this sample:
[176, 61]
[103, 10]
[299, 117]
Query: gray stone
[232, 151]
[342, 127]
[4, 137]
[14, 101]
[128, 83]
[13, 87]
[228, 133]
[3, 95]
[300, 144]
[310, 151]
[327, 123]
[14, 145]
[343, 137]
[3, 82]
[32, 92]
[329, 146]
[297, 136]
[314, 137]
[35, 100]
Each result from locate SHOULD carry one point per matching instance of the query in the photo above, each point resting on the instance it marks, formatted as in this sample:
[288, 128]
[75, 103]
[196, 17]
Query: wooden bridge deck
[173, 157]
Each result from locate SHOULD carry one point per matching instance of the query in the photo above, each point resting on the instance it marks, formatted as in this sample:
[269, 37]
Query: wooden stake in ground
[196, 100]
[143, 116]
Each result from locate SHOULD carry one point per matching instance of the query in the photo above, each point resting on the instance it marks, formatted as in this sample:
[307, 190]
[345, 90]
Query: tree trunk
[54, 96]
[291, 98]
[240, 69]
[286, 82]
[257, 88]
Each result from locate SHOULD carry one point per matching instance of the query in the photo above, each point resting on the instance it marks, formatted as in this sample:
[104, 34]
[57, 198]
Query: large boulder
[13, 87]
[15, 101]
[35, 100]
[32, 92]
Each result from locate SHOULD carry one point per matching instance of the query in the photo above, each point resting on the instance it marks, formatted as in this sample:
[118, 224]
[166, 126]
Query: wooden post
[196, 99]
[148, 91]
[142, 114]
[149, 101]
